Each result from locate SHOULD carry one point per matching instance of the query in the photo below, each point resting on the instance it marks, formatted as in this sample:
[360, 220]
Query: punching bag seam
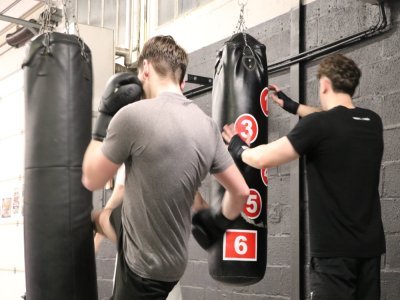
[69, 114]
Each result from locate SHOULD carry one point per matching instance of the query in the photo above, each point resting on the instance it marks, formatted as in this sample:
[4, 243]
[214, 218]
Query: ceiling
[21, 9]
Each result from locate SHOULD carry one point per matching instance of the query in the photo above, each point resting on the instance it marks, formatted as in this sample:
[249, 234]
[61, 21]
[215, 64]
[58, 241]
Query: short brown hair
[342, 71]
[166, 56]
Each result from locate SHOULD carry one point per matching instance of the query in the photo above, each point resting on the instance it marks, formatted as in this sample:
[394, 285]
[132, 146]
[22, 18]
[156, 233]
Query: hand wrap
[288, 104]
[236, 147]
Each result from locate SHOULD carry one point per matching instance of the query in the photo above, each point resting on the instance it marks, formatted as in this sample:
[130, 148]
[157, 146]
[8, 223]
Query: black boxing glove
[209, 226]
[121, 89]
[288, 104]
[236, 147]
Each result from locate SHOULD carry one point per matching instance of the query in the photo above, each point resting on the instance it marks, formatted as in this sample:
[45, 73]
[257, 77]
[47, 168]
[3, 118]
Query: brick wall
[379, 58]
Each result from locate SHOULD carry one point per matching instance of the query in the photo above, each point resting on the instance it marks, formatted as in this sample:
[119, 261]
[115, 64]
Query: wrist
[245, 148]
[237, 146]
[100, 127]
[289, 104]
[223, 222]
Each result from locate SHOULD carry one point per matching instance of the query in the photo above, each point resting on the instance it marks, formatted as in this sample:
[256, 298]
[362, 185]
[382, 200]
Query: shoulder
[313, 119]
[308, 132]
[369, 113]
[137, 109]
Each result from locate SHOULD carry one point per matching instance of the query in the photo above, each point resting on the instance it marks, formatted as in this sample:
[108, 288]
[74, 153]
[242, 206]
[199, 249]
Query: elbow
[88, 184]
[254, 159]
[245, 193]
[263, 161]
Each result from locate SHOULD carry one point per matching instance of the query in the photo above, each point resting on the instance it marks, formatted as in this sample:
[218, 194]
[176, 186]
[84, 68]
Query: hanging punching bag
[58, 234]
[239, 96]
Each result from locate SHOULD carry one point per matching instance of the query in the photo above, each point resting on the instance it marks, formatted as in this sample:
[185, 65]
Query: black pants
[344, 278]
[127, 284]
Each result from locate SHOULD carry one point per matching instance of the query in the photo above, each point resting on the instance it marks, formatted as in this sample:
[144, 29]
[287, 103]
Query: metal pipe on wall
[116, 37]
[102, 13]
[89, 4]
[128, 60]
[380, 27]
[294, 190]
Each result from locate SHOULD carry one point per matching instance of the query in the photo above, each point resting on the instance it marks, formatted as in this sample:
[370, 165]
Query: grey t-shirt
[168, 145]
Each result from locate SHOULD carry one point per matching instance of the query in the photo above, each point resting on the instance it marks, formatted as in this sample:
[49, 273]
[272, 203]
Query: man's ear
[182, 85]
[325, 85]
[146, 69]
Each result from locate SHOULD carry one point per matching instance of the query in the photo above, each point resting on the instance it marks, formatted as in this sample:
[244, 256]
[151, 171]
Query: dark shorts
[344, 278]
[127, 284]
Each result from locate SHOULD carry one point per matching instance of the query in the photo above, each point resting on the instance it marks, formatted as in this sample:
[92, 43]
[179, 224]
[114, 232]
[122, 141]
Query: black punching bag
[240, 96]
[58, 234]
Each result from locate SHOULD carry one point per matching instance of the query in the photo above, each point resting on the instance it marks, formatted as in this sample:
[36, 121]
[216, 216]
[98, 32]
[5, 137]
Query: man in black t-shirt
[343, 145]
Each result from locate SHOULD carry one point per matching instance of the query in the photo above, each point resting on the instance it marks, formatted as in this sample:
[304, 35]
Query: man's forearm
[304, 110]
[232, 205]
[117, 197]
[236, 193]
[270, 155]
[96, 168]
[88, 170]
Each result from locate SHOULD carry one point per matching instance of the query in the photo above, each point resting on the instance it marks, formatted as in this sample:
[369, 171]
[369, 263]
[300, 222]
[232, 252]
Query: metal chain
[66, 16]
[45, 27]
[46, 16]
[241, 25]
[68, 6]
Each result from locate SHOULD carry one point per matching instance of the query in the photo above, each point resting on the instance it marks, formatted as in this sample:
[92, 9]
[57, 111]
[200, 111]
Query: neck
[339, 99]
[163, 86]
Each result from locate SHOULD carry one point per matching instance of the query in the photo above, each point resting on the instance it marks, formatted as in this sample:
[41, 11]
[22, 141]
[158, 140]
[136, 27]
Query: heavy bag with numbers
[240, 96]
[58, 233]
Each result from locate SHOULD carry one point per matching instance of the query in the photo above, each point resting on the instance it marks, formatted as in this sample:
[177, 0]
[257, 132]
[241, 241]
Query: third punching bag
[58, 233]
[240, 96]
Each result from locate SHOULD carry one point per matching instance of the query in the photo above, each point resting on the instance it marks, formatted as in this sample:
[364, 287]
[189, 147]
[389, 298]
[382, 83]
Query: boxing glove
[288, 104]
[209, 226]
[121, 89]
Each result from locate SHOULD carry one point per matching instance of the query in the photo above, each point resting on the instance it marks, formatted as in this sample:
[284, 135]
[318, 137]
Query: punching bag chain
[46, 24]
[66, 10]
[66, 17]
[241, 26]
[46, 17]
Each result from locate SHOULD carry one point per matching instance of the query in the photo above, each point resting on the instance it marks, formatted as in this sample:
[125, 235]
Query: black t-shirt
[343, 149]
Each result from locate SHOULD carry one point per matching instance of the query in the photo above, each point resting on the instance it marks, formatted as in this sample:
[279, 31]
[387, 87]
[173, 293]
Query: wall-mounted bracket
[204, 82]
[28, 24]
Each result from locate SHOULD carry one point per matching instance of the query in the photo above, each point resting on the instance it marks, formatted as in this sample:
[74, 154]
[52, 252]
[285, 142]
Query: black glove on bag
[121, 89]
[236, 147]
[288, 104]
[209, 226]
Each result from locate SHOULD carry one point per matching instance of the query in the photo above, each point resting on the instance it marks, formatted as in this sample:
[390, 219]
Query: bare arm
[270, 155]
[97, 168]
[305, 110]
[101, 218]
[236, 193]
[116, 197]
[302, 110]
[264, 156]
[199, 203]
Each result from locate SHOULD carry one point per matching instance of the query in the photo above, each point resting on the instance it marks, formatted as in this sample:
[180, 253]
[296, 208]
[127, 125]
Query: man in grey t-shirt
[168, 146]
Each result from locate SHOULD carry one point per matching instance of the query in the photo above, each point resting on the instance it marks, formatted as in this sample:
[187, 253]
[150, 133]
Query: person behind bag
[168, 145]
[343, 145]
